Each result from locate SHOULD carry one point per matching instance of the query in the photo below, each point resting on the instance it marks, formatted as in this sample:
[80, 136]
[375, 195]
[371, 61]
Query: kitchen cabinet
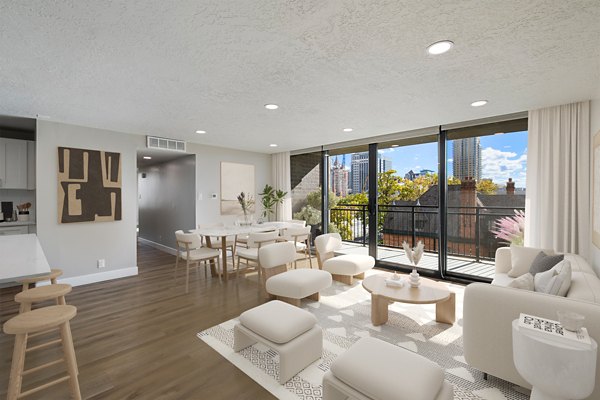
[30, 165]
[13, 160]
[14, 230]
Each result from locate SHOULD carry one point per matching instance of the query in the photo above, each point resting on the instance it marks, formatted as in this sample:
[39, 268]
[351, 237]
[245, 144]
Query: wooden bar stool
[43, 293]
[42, 319]
[54, 273]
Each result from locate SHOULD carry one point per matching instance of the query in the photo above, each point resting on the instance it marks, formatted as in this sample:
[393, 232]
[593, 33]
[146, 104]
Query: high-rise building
[359, 170]
[339, 179]
[466, 158]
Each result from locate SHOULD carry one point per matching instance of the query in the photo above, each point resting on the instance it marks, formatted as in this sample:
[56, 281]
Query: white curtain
[282, 181]
[558, 179]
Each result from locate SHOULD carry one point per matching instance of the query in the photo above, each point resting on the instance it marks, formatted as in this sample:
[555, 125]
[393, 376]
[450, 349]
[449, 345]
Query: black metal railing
[469, 227]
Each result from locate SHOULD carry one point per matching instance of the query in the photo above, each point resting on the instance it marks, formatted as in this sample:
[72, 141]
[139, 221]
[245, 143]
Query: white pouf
[374, 369]
[345, 267]
[289, 330]
[296, 284]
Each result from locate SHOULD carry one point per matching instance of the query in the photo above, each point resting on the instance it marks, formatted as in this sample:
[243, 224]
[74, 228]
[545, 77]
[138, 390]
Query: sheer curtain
[282, 181]
[558, 179]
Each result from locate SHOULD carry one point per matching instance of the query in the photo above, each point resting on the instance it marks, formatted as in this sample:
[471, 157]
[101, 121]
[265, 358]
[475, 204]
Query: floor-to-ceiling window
[460, 191]
[486, 166]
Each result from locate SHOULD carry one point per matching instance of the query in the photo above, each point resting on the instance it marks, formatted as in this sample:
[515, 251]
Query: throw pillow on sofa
[521, 259]
[544, 262]
[555, 281]
[523, 282]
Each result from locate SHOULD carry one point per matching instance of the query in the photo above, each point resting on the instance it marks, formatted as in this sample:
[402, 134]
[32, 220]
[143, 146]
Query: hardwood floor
[135, 338]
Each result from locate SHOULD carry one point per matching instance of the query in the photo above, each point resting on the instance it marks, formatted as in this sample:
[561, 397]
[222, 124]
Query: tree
[486, 186]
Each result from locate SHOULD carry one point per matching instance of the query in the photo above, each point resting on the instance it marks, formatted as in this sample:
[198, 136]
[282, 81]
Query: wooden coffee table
[429, 292]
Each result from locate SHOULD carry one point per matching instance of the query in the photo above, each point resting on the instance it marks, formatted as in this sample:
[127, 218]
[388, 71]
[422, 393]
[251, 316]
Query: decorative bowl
[571, 321]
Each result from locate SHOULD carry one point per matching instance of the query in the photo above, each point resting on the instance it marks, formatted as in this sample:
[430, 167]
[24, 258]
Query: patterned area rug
[344, 313]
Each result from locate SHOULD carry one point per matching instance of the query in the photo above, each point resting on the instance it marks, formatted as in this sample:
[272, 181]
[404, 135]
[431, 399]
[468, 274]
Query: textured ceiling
[169, 68]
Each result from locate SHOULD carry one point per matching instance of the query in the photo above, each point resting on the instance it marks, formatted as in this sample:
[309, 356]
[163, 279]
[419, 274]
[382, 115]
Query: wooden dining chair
[250, 254]
[217, 243]
[189, 248]
[300, 237]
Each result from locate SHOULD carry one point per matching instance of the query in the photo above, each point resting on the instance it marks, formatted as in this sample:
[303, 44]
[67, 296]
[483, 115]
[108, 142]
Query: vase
[415, 279]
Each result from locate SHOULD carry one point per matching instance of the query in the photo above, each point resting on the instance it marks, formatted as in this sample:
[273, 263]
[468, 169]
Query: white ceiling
[169, 68]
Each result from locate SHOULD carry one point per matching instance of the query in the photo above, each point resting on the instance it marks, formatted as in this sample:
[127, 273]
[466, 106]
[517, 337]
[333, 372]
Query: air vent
[153, 142]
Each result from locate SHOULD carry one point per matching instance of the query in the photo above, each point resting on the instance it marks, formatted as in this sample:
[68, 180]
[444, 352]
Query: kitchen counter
[16, 223]
[22, 257]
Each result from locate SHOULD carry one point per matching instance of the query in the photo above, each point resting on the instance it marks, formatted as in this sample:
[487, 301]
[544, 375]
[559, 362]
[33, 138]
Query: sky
[503, 156]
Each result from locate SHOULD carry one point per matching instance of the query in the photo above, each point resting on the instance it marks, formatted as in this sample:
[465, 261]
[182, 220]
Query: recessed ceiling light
[272, 145]
[347, 129]
[271, 106]
[395, 145]
[147, 158]
[439, 47]
[479, 103]
[201, 132]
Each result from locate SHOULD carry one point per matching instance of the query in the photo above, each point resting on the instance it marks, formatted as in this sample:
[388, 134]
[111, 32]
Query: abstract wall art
[89, 185]
[596, 191]
[236, 178]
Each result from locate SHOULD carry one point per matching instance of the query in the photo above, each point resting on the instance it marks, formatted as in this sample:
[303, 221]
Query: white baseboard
[158, 246]
[97, 277]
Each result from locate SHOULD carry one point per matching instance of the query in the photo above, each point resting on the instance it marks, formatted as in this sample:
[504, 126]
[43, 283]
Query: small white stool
[289, 330]
[296, 284]
[374, 369]
[558, 369]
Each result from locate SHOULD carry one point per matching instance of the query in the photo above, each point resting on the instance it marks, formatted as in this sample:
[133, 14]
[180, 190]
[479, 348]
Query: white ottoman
[296, 284]
[289, 330]
[374, 369]
[345, 267]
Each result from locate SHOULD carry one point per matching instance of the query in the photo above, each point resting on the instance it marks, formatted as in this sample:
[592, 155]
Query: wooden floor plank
[135, 337]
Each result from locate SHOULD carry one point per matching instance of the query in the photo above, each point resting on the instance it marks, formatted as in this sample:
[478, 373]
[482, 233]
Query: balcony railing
[469, 227]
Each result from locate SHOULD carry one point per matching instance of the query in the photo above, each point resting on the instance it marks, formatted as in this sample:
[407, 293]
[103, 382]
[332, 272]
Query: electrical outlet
[101, 263]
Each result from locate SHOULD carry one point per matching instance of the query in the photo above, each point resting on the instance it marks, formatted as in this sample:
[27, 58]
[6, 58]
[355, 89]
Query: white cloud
[500, 165]
[450, 160]
[507, 147]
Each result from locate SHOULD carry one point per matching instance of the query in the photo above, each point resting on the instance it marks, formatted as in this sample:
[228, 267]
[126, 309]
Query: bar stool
[43, 293]
[54, 273]
[42, 319]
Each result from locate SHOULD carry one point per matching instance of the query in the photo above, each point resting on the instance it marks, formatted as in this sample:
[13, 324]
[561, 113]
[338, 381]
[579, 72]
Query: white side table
[557, 368]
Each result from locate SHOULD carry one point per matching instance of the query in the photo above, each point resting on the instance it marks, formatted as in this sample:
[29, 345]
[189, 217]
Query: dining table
[224, 231]
[22, 257]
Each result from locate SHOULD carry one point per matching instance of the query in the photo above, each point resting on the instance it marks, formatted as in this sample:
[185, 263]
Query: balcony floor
[462, 265]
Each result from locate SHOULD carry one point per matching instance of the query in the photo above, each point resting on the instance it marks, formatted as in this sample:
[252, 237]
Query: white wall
[594, 129]
[76, 247]
[208, 179]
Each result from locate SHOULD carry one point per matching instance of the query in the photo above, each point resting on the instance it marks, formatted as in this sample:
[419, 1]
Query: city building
[411, 175]
[359, 170]
[467, 158]
[339, 178]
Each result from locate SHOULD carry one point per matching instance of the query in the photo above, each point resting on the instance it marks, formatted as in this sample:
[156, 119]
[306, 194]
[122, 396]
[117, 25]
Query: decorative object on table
[89, 185]
[414, 256]
[271, 198]
[555, 328]
[23, 214]
[570, 320]
[236, 178]
[395, 280]
[246, 202]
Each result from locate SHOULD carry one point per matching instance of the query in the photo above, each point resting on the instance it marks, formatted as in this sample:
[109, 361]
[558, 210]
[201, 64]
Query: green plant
[271, 198]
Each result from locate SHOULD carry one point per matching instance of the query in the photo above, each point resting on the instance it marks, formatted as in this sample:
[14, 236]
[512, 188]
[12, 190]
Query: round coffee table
[429, 292]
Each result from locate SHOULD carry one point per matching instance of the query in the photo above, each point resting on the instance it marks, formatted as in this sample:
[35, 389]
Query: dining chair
[255, 242]
[300, 222]
[217, 243]
[189, 248]
[300, 237]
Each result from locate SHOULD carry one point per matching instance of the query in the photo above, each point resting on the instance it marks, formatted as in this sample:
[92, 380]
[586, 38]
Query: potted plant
[271, 198]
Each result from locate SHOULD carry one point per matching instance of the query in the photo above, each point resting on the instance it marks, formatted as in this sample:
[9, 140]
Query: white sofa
[489, 310]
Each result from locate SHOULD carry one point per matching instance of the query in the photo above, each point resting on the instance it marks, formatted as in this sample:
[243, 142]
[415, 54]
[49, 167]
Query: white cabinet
[14, 230]
[13, 157]
[30, 165]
